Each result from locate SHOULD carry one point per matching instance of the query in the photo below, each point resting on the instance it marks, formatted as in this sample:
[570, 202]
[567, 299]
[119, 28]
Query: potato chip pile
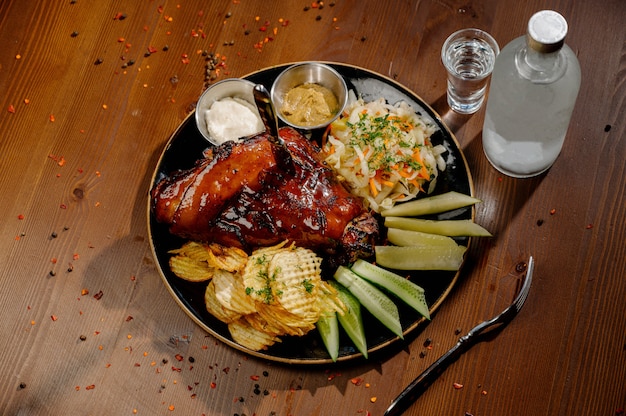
[272, 292]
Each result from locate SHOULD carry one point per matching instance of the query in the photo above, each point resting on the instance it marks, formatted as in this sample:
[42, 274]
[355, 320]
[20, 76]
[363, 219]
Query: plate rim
[313, 361]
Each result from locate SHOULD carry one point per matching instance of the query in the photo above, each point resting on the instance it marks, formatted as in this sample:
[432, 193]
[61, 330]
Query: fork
[424, 380]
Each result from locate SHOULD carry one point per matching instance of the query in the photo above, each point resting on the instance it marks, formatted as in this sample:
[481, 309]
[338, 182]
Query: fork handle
[418, 386]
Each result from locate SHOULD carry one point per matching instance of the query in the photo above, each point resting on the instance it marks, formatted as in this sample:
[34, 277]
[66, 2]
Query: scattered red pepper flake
[357, 381]
[553, 211]
[254, 377]
[98, 295]
[20, 217]
[589, 226]
[11, 109]
[177, 369]
[171, 407]
[129, 318]
[90, 387]
[52, 119]
[84, 292]
[213, 385]
[54, 318]
[178, 357]
[457, 386]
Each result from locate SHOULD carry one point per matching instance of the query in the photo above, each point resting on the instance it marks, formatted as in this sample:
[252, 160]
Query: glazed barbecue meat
[243, 195]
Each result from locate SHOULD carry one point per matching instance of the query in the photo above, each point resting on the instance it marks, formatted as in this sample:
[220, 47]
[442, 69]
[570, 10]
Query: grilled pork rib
[240, 196]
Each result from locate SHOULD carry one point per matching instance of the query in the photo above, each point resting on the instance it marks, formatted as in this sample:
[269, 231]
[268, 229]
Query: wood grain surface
[90, 92]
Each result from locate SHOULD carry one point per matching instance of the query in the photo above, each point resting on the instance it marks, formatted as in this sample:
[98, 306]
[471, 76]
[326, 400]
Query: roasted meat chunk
[242, 196]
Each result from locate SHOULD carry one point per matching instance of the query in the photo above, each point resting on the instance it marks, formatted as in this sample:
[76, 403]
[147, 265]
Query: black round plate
[186, 145]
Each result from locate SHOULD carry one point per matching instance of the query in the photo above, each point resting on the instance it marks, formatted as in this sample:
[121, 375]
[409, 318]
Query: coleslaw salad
[383, 152]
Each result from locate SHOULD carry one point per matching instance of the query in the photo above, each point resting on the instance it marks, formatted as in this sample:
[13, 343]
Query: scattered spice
[74, 34]
[457, 386]
[22, 386]
[98, 295]
[607, 128]
[553, 211]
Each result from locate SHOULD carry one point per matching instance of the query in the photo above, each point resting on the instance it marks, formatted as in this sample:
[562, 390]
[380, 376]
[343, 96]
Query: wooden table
[91, 92]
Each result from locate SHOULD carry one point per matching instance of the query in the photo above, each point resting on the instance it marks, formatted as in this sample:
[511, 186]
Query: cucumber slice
[328, 327]
[409, 292]
[452, 228]
[420, 258]
[431, 205]
[403, 238]
[351, 321]
[372, 299]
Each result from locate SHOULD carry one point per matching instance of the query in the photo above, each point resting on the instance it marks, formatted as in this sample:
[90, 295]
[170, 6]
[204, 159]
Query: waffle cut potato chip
[328, 299]
[231, 259]
[275, 291]
[230, 292]
[215, 307]
[190, 262]
[245, 334]
[296, 276]
[197, 262]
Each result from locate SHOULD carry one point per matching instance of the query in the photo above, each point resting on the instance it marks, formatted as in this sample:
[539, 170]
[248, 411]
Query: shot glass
[468, 56]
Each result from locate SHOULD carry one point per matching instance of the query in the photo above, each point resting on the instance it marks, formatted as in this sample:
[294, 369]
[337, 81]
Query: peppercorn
[74, 34]
[22, 385]
[82, 338]
[98, 61]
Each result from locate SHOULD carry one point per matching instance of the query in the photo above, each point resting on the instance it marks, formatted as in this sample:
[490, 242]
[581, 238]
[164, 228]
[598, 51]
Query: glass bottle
[532, 94]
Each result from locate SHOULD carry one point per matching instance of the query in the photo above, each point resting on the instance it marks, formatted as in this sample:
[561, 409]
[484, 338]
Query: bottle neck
[538, 67]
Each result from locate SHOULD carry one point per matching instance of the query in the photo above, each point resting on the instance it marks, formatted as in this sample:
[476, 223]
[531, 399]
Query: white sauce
[231, 119]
